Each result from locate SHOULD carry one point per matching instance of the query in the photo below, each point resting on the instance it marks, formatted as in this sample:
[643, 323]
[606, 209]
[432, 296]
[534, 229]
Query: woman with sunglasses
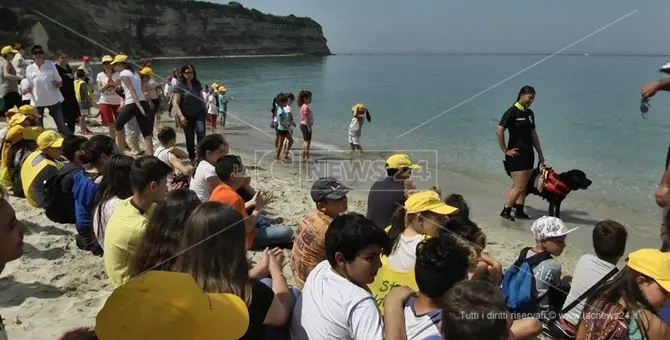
[44, 84]
[190, 107]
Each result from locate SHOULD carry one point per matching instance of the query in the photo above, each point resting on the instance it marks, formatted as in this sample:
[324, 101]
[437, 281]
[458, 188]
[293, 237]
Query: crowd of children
[175, 227]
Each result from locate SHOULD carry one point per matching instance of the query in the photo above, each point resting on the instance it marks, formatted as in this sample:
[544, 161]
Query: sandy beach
[55, 286]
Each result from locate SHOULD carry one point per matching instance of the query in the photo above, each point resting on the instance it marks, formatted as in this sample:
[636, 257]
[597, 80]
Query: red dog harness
[549, 181]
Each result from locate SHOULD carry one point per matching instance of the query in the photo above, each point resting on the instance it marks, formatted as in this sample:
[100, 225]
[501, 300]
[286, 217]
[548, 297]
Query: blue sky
[509, 26]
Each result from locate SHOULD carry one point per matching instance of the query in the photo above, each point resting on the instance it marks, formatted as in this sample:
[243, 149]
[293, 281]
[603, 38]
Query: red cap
[86, 58]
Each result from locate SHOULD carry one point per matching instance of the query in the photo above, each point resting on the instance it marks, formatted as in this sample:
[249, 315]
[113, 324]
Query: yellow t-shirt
[123, 235]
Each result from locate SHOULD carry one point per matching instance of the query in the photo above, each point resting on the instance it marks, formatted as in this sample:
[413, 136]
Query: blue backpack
[518, 283]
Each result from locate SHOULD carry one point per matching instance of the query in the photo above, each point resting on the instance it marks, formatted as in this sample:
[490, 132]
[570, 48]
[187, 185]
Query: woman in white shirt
[44, 87]
[134, 104]
[205, 179]
[109, 102]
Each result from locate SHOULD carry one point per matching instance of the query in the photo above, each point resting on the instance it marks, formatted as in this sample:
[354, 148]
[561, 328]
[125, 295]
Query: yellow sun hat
[107, 59]
[360, 107]
[8, 49]
[29, 111]
[427, 201]
[147, 72]
[49, 139]
[119, 58]
[221, 88]
[399, 161]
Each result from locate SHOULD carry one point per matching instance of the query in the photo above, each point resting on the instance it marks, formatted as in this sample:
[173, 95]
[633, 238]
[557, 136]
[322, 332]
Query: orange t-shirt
[226, 195]
[309, 244]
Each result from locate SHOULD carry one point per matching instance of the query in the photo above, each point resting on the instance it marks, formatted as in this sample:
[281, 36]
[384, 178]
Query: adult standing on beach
[190, 107]
[44, 84]
[71, 110]
[109, 102]
[19, 62]
[134, 104]
[9, 81]
[388, 194]
[519, 120]
[649, 89]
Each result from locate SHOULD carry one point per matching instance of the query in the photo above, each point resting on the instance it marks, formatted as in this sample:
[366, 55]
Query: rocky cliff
[157, 28]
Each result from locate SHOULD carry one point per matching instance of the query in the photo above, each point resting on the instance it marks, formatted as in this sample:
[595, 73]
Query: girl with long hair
[190, 107]
[306, 122]
[94, 156]
[164, 232]
[216, 258]
[205, 179]
[114, 188]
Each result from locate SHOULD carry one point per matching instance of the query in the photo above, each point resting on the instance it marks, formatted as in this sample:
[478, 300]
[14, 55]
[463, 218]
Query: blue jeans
[269, 235]
[280, 332]
[55, 111]
[194, 130]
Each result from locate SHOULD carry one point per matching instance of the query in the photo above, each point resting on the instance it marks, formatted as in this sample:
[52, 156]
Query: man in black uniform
[387, 194]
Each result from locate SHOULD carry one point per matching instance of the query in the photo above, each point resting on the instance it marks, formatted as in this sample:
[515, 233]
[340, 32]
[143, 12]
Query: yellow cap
[215, 85]
[29, 111]
[400, 160]
[222, 88]
[427, 201]
[119, 58]
[49, 139]
[170, 305]
[360, 107]
[16, 119]
[11, 112]
[147, 72]
[652, 263]
[107, 59]
[8, 49]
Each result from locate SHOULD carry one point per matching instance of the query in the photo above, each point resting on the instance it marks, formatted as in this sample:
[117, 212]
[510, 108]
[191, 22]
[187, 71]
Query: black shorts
[283, 133]
[525, 160]
[306, 133]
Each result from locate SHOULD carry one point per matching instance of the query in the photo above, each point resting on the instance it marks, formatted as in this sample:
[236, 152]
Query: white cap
[547, 227]
[665, 68]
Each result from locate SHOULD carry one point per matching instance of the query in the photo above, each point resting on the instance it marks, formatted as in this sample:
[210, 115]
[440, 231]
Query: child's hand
[276, 261]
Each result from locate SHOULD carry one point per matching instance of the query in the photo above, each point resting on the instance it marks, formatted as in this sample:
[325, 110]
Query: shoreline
[224, 56]
[55, 286]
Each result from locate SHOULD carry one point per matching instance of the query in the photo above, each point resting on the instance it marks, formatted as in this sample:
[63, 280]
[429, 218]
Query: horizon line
[615, 54]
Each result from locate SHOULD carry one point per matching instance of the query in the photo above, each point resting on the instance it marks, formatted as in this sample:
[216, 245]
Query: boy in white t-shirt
[335, 303]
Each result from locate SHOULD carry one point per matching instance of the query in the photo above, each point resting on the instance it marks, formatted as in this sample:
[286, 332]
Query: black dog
[573, 180]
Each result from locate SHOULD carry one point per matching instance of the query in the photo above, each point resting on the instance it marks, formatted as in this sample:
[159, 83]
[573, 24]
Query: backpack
[58, 203]
[518, 283]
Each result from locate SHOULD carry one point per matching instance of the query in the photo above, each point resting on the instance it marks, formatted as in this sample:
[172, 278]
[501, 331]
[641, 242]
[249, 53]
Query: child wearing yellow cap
[627, 306]
[360, 113]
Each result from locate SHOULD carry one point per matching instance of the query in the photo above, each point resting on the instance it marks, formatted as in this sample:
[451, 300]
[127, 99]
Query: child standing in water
[306, 122]
[288, 142]
[211, 108]
[282, 125]
[223, 105]
[360, 114]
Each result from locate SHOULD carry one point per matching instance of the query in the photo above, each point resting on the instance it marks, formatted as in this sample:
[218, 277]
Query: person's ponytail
[397, 225]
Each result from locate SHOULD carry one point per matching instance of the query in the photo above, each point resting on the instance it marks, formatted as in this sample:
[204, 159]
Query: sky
[491, 26]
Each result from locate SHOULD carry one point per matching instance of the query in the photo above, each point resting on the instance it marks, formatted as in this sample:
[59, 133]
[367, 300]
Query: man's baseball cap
[399, 161]
[170, 305]
[548, 227]
[328, 188]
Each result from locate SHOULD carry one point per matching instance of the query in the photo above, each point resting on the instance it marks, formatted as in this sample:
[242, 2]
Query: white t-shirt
[332, 307]
[41, 81]
[588, 271]
[422, 326]
[163, 154]
[24, 85]
[403, 256]
[109, 96]
[135, 80]
[88, 72]
[547, 275]
[20, 65]
[99, 225]
[3, 134]
[199, 181]
[211, 104]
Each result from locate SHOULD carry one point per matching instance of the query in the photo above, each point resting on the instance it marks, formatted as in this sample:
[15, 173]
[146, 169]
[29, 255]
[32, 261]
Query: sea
[443, 110]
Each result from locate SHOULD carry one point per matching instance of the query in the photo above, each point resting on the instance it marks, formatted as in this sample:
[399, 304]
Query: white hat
[665, 68]
[547, 227]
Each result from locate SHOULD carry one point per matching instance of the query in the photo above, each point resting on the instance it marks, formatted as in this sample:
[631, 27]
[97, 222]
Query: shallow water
[587, 113]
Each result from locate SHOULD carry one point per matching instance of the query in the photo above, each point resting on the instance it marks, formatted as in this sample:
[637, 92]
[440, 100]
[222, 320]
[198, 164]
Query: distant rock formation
[157, 28]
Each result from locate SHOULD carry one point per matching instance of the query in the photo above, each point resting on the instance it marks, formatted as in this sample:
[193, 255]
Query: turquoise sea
[587, 114]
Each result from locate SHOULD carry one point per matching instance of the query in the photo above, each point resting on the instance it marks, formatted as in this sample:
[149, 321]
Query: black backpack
[59, 203]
